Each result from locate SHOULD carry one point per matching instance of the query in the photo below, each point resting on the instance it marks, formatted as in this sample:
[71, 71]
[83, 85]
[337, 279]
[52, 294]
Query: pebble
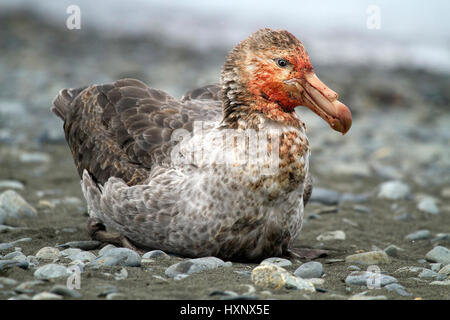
[309, 270]
[325, 196]
[83, 256]
[439, 254]
[436, 266]
[441, 237]
[117, 257]
[277, 261]
[8, 281]
[398, 288]
[367, 278]
[106, 248]
[115, 296]
[65, 292]
[362, 209]
[11, 184]
[123, 274]
[155, 254]
[27, 287]
[331, 235]
[441, 283]
[83, 245]
[393, 250]
[8, 245]
[427, 274]
[353, 268]
[7, 264]
[191, 266]
[351, 197]
[372, 257]
[51, 271]
[445, 270]
[4, 228]
[394, 190]
[70, 251]
[445, 193]
[48, 253]
[13, 205]
[410, 271]
[16, 255]
[47, 296]
[362, 296]
[419, 235]
[106, 290]
[274, 277]
[428, 205]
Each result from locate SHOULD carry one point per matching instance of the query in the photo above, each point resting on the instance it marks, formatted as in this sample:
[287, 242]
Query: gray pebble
[8, 245]
[107, 290]
[193, 266]
[83, 245]
[180, 276]
[70, 251]
[444, 237]
[398, 288]
[106, 248]
[155, 254]
[436, 266]
[8, 281]
[351, 197]
[353, 268]
[439, 254]
[117, 257]
[65, 292]
[27, 287]
[7, 264]
[428, 205]
[392, 250]
[427, 274]
[14, 206]
[277, 261]
[419, 235]
[309, 270]
[394, 190]
[83, 256]
[325, 196]
[364, 278]
[11, 184]
[47, 296]
[51, 271]
[362, 209]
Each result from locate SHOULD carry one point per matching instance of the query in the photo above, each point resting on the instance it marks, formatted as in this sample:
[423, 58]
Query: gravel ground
[380, 207]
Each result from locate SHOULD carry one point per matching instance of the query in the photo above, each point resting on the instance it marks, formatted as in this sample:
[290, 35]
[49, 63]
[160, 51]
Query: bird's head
[270, 72]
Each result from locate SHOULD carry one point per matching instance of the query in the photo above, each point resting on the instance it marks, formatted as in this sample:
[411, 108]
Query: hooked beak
[322, 101]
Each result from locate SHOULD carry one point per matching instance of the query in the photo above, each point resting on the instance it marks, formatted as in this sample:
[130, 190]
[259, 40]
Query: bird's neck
[244, 110]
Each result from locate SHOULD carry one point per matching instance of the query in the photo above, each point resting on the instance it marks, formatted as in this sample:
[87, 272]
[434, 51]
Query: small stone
[366, 278]
[439, 254]
[394, 190]
[16, 255]
[27, 287]
[309, 270]
[445, 270]
[419, 235]
[117, 257]
[393, 250]
[277, 261]
[155, 254]
[445, 193]
[4, 229]
[14, 206]
[441, 283]
[353, 268]
[7, 264]
[48, 253]
[106, 248]
[191, 266]
[106, 290]
[410, 271]
[83, 256]
[436, 266]
[362, 209]
[11, 184]
[8, 281]
[331, 235]
[180, 276]
[427, 274]
[51, 271]
[325, 196]
[123, 274]
[444, 237]
[362, 296]
[316, 281]
[65, 292]
[8, 245]
[274, 277]
[428, 205]
[372, 257]
[356, 198]
[83, 245]
[47, 296]
[70, 251]
[398, 288]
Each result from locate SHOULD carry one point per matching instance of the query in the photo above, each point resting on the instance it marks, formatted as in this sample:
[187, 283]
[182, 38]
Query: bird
[223, 171]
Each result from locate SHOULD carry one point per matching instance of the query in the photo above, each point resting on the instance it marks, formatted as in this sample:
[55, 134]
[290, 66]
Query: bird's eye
[281, 62]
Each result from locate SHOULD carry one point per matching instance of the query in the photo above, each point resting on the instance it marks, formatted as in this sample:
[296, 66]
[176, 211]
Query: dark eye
[281, 62]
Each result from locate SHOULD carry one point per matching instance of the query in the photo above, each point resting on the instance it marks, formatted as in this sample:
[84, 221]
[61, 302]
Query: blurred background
[388, 60]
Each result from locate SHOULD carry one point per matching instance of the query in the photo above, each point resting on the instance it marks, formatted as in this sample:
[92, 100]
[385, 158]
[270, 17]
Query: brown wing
[209, 92]
[123, 129]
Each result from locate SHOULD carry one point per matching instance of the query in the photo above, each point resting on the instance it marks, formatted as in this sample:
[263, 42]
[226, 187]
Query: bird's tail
[62, 102]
